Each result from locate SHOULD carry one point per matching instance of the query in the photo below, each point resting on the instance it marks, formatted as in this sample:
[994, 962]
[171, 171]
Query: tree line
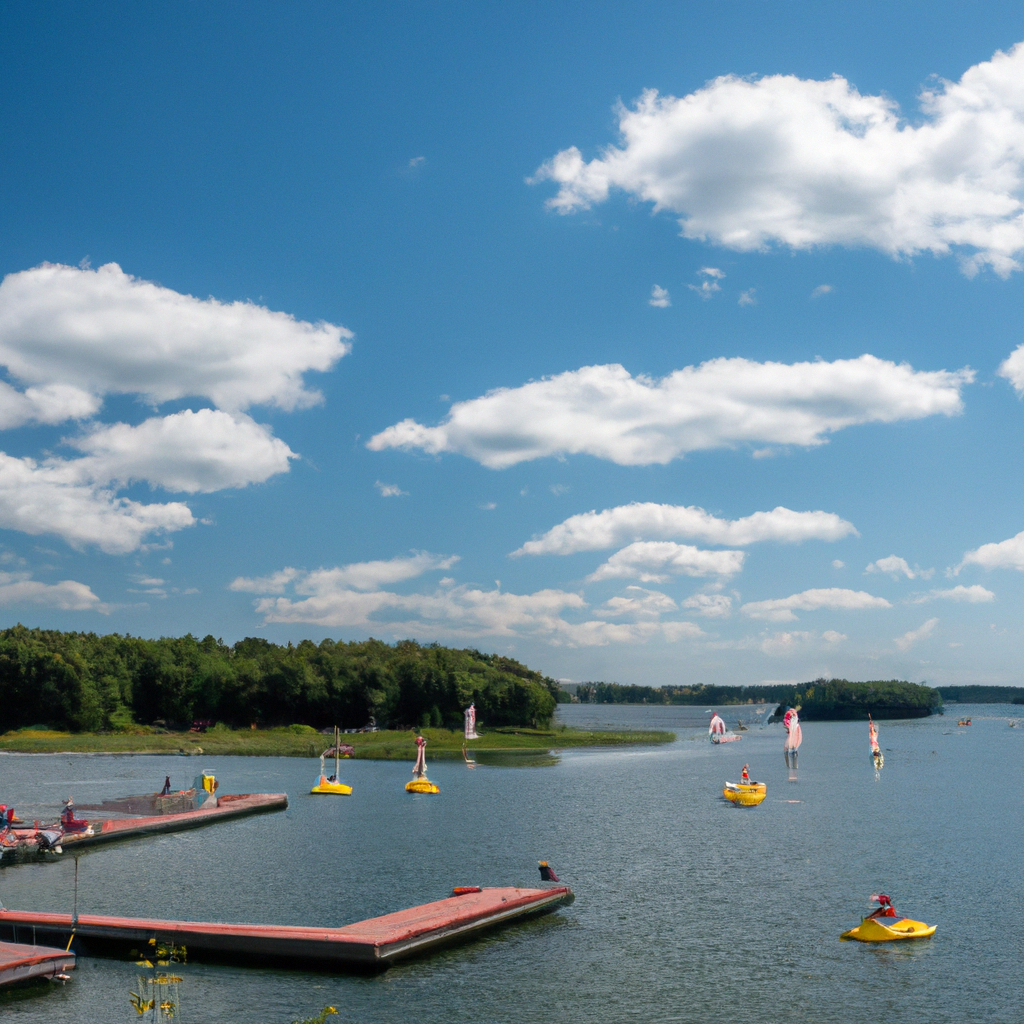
[822, 699]
[90, 683]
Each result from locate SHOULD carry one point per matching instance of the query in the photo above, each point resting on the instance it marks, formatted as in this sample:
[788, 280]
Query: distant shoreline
[301, 741]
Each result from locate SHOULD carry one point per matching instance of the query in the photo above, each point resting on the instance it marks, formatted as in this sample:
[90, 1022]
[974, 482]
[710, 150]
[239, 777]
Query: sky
[653, 343]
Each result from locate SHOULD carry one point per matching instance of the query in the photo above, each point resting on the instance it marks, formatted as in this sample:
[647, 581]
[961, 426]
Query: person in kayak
[885, 907]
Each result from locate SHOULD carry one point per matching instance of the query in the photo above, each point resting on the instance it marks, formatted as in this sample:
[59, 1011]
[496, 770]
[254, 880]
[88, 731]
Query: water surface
[687, 908]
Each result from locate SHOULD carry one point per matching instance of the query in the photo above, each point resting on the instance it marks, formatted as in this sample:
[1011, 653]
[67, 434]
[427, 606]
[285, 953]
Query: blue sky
[658, 343]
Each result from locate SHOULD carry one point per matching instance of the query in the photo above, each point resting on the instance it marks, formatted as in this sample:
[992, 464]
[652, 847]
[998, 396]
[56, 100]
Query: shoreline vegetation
[822, 700]
[304, 741]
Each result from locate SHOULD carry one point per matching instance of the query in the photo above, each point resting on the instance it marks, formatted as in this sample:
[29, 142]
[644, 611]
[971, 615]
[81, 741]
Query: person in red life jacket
[745, 777]
[885, 907]
[546, 874]
[68, 820]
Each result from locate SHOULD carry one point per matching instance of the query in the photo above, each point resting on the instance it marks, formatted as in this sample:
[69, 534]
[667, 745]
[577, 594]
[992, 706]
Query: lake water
[687, 909]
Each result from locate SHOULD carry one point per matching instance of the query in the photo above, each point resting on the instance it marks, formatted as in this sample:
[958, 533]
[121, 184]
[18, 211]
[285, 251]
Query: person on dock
[546, 872]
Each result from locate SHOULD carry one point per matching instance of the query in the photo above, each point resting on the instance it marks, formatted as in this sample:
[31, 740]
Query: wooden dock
[367, 944]
[20, 963]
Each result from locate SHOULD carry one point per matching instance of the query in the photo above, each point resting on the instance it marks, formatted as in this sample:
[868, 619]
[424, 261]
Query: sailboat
[332, 786]
[420, 783]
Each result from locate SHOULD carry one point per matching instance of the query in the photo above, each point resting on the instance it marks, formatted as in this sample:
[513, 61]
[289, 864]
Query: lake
[687, 908]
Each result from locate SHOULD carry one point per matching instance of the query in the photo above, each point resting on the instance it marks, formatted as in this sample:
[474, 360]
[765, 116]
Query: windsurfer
[716, 728]
[794, 736]
[420, 768]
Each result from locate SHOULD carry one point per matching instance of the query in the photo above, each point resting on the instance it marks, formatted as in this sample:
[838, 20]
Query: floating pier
[108, 829]
[20, 963]
[367, 944]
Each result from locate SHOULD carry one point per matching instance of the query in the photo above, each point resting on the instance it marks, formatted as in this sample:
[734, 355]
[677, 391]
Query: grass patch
[386, 745]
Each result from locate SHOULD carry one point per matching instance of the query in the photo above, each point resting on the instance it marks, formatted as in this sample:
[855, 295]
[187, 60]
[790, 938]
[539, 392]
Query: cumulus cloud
[67, 595]
[189, 451]
[711, 606]
[390, 490]
[350, 597]
[782, 644]
[1012, 368]
[655, 561]
[660, 297]
[605, 412]
[905, 642]
[40, 498]
[709, 285]
[593, 531]
[1005, 554]
[751, 162]
[976, 594]
[105, 332]
[51, 403]
[896, 567]
[747, 298]
[831, 598]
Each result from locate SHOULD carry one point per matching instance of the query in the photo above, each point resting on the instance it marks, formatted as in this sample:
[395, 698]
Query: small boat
[745, 794]
[421, 784]
[889, 929]
[964, 721]
[332, 786]
[717, 732]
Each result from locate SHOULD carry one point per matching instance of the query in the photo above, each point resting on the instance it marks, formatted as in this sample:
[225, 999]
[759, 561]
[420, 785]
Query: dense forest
[822, 699]
[85, 682]
[983, 694]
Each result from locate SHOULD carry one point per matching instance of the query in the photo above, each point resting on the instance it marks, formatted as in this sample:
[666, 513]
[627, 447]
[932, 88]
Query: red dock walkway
[21, 963]
[373, 943]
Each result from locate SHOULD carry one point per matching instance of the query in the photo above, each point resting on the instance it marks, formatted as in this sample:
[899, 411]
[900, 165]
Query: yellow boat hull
[325, 788]
[422, 786]
[871, 929]
[745, 795]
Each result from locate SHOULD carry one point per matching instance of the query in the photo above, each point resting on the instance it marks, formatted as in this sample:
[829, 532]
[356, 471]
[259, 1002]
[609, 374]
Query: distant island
[819, 700]
[983, 694]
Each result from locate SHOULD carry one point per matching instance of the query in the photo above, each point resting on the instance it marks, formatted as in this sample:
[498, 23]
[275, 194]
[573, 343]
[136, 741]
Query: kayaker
[745, 777]
[546, 874]
[885, 907]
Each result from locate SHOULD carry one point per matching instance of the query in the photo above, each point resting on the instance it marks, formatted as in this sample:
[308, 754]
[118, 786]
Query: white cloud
[831, 598]
[747, 298]
[46, 498]
[390, 490]
[748, 162]
[822, 289]
[97, 332]
[832, 637]
[710, 285]
[417, 161]
[1012, 368]
[189, 451]
[358, 575]
[655, 561]
[711, 606]
[1006, 554]
[660, 297]
[635, 421]
[905, 642]
[67, 595]
[838, 563]
[344, 598]
[896, 567]
[51, 403]
[976, 594]
[594, 531]
[638, 604]
[783, 644]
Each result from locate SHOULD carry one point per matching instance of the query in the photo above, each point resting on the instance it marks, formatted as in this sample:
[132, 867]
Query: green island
[820, 700]
[123, 694]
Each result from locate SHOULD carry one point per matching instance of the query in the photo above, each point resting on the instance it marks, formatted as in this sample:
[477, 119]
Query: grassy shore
[302, 741]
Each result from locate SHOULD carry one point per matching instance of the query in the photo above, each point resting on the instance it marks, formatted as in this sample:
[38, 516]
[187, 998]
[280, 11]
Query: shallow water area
[687, 908]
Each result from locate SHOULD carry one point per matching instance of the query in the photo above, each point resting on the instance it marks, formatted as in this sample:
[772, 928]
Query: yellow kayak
[423, 785]
[331, 788]
[745, 794]
[871, 929]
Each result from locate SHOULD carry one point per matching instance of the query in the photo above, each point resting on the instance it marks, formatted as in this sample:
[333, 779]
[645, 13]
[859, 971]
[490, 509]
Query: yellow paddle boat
[745, 794]
[885, 925]
[889, 929]
[420, 783]
[332, 785]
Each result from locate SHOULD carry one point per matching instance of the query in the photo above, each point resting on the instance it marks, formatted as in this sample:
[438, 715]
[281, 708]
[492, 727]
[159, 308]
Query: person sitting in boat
[68, 821]
[745, 776]
[885, 907]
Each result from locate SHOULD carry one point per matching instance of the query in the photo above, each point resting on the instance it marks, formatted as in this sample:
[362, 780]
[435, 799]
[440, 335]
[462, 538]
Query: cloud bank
[751, 162]
[593, 531]
[655, 561]
[830, 598]
[605, 412]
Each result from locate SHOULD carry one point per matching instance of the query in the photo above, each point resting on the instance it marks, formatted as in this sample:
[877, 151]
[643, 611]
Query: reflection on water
[687, 909]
